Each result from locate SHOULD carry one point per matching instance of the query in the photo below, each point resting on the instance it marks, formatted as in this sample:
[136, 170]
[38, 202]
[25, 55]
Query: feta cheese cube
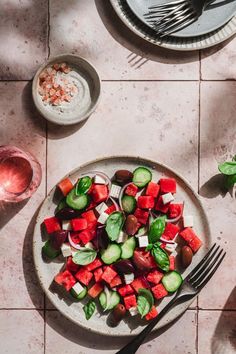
[188, 220]
[101, 208]
[143, 241]
[122, 237]
[89, 245]
[129, 278]
[66, 250]
[103, 218]
[167, 198]
[66, 225]
[99, 180]
[115, 191]
[78, 288]
[171, 247]
[133, 311]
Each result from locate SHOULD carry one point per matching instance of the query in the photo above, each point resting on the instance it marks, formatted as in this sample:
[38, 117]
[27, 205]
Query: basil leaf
[230, 181]
[161, 258]
[228, 168]
[83, 185]
[147, 293]
[84, 256]
[149, 247]
[114, 225]
[143, 305]
[156, 229]
[89, 309]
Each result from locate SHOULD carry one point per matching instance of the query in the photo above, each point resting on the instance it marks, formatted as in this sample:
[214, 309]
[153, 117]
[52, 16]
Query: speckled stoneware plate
[85, 77]
[47, 270]
[174, 43]
[215, 16]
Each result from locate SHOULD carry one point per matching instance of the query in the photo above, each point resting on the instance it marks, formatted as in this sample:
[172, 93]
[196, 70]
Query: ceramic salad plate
[47, 269]
[215, 16]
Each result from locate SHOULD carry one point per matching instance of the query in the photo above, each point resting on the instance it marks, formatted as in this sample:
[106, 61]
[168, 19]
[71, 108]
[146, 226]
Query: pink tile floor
[180, 105]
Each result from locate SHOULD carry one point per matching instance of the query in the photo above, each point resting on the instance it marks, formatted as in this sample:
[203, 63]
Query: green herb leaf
[143, 306]
[228, 168]
[84, 256]
[230, 181]
[149, 247]
[147, 293]
[156, 229]
[89, 309]
[114, 225]
[161, 257]
[83, 185]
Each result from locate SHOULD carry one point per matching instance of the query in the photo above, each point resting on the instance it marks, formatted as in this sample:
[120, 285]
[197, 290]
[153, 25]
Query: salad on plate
[120, 239]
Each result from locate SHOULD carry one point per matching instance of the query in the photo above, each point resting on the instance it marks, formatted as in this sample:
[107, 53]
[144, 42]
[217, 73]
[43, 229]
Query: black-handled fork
[191, 286]
[173, 16]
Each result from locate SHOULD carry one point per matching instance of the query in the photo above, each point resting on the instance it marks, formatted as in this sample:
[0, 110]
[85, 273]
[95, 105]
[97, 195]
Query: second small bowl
[83, 77]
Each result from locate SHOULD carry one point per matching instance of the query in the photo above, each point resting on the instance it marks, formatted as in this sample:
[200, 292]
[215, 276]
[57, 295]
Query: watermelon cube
[84, 276]
[131, 189]
[95, 290]
[171, 231]
[167, 185]
[160, 206]
[130, 301]
[139, 283]
[155, 277]
[191, 238]
[98, 274]
[71, 266]
[159, 291]
[95, 264]
[65, 186]
[116, 281]
[110, 209]
[89, 216]
[141, 215]
[145, 202]
[175, 210]
[125, 290]
[172, 262]
[52, 224]
[99, 193]
[65, 279]
[152, 189]
[108, 274]
[151, 314]
[79, 224]
[86, 236]
[91, 205]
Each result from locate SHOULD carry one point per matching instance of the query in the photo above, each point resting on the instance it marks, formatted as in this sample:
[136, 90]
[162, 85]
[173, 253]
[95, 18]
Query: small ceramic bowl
[88, 88]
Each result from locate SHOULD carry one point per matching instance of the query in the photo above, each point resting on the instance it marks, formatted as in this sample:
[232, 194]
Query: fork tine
[169, 14]
[172, 25]
[199, 265]
[166, 4]
[209, 275]
[178, 28]
[207, 267]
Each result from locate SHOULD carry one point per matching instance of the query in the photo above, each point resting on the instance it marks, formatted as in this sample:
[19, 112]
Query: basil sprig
[114, 225]
[160, 255]
[145, 302]
[84, 256]
[228, 169]
[156, 229]
[83, 185]
[89, 309]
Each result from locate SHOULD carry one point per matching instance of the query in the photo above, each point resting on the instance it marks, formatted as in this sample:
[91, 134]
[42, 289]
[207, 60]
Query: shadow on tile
[58, 131]
[137, 45]
[9, 210]
[213, 187]
[210, 51]
[224, 336]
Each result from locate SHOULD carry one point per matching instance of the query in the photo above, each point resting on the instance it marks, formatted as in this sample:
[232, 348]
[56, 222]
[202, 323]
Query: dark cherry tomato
[123, 176]
[57, 238]
[67, 214]
[131, 224]
[124, 266]
[118, 313]
[143, 260]
[186, 256]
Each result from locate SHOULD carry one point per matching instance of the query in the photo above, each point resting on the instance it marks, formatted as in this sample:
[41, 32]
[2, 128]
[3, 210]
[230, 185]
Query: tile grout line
[138, 80]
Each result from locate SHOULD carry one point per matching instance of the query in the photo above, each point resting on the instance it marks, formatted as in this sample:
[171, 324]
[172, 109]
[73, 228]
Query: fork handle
[133, 345]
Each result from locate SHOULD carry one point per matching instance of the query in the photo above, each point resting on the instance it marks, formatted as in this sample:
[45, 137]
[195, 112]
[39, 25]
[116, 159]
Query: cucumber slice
[127, 248]
[77, 202]
[79, 296]
[49, 251]
[128, 203]
[172, 281]
[111, 254]
[142, 176]
[114, 299]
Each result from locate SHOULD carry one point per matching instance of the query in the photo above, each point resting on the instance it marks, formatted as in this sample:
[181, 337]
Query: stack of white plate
[217, 23]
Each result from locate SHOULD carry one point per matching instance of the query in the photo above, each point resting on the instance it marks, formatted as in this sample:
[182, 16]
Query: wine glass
[20, 174]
